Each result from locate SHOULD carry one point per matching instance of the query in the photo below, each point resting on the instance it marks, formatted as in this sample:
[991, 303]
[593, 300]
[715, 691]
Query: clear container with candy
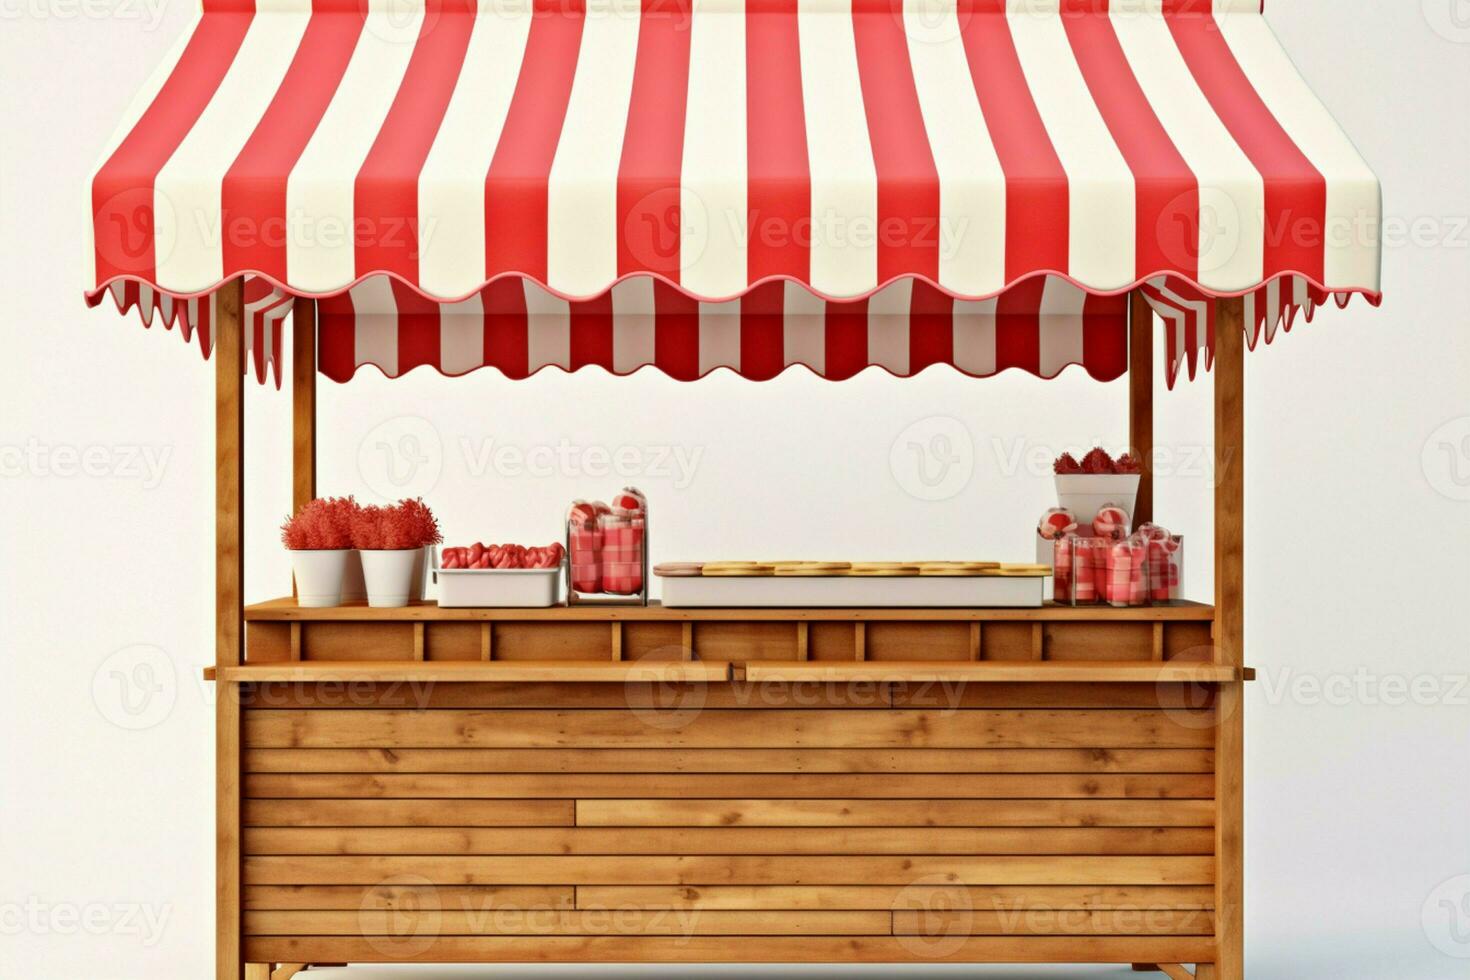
[1165, 563]
[1078, 568]
[1125, 579]
[607, 548]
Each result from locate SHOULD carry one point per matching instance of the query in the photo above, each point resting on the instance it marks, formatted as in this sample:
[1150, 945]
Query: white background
[1358, 486]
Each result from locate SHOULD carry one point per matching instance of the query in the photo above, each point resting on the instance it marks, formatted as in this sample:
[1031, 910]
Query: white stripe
[1351, 254]
[582, 194]
[888, 326]
[452, 183]
[548, 329]
[462, 335]
[1231, 194]
[1061, 327]
[844, 182]
[375, 314]
[633, 324]
[972, 185]
[189, 239]
[320, 253]
[974, 336]
[804, 328]
[712, 193]
[131, 115]
[719, 336]
[145, 303]
[1100, 191]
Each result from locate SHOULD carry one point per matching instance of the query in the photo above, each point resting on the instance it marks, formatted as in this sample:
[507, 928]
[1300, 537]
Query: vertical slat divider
[803, 640]
[686, 639]
[296, 641]
[1159, 641]
[1038, 641]
[977, 640]
[487, 642]
[617, 639]
[860, 641]
[418, 641]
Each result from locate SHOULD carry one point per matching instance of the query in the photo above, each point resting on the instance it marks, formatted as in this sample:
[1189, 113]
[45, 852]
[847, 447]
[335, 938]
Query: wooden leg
[1205, 971]
[257, 971]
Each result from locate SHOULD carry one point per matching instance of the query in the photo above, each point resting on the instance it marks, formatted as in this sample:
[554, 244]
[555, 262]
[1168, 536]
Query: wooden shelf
[286, 610]
[533, 671]
[994, 672]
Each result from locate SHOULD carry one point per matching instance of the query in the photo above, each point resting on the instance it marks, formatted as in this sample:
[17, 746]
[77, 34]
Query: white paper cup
[319, 577]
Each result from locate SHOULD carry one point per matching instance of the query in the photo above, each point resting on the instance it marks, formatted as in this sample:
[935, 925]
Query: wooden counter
[645, 784]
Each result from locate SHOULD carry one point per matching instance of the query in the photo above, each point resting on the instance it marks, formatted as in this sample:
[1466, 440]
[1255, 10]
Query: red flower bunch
[323, 524]
[1067, 465]
[1097, 462]
[405, 525]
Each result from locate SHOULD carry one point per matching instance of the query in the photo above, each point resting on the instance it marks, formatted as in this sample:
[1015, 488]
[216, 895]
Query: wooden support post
[229, 576]
[303, 402]
[1141, 400]
[1230, 638]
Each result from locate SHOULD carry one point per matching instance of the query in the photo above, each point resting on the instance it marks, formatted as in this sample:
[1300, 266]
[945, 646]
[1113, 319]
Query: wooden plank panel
[409, 813]
[653, 641]
[452, 642]
[351, 898]
[1098, 641]
[268, 642]
[567, 694]
[551, 921]
[730, 840]
[726, 869]
[720, 949]
[730, 760]
[995, 672]
[930, 894]
[706, 785]
[607, 671]
[952, 696]
[552, 641]
[1046, 922]
[890, 813]
[751, 640]
[904, 641]
[1082, 728]
[355, 642]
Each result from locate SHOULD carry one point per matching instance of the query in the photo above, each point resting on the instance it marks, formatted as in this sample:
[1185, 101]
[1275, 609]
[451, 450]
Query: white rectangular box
[509, 588]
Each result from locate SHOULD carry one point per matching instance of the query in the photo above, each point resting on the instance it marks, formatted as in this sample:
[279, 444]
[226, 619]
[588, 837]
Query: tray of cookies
[858, 584]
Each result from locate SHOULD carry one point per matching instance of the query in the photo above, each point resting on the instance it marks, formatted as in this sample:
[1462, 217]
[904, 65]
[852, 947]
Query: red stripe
[1037, 215]
[1166, 191]
[385, 197]
[123, 218]
[653, 146]
[763, 331]
[931, 327]
[908, 180]
[675, 332]
[1105, 336]
[336, 337]
[847, 339]
[1296, 194]
[516, 197]
[507, 341]
[779, 194]
[253, 194]
[591, 329]
[418, 328]
[1018, 326]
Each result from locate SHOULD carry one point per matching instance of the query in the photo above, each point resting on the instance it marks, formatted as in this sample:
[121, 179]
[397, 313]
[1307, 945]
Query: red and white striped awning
[713, 150]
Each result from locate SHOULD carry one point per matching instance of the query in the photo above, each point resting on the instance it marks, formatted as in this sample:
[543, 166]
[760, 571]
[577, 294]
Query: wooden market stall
[522, 184]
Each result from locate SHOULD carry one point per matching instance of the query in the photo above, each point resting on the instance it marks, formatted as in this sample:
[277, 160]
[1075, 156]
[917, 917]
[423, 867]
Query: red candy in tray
[482, 557]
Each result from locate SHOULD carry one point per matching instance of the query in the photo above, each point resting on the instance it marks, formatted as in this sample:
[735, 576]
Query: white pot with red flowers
[1085, 488]
[319, 538]
[393, 543]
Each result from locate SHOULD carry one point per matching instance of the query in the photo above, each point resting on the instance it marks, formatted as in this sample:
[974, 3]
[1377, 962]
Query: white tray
[879, 591]
[498, 588]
